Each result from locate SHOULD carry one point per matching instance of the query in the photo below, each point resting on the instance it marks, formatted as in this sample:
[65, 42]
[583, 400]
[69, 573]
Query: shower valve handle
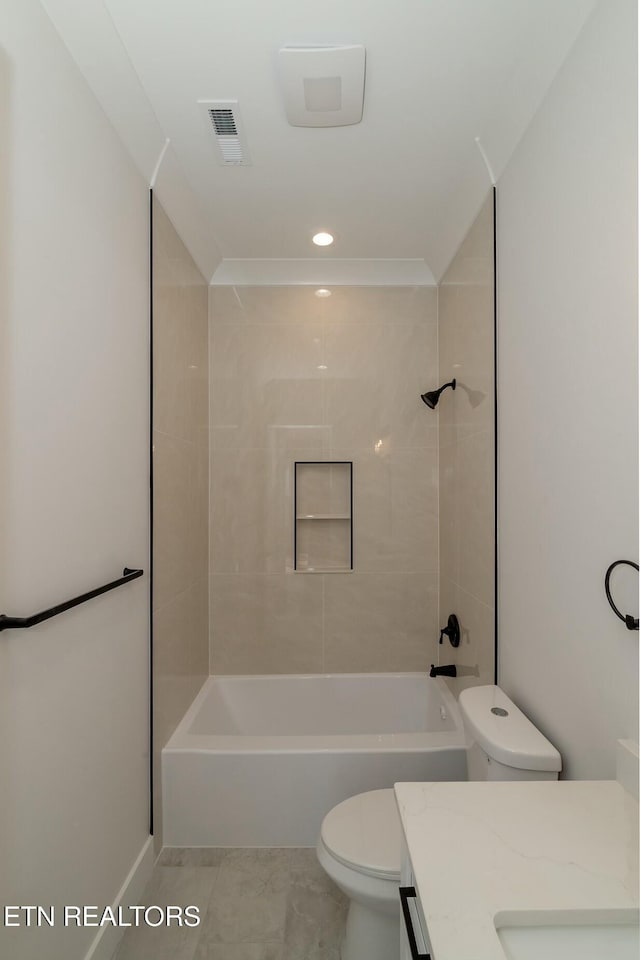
[452, 631]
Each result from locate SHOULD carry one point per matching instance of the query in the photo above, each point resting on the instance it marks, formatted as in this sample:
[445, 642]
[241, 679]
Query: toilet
[361, 838]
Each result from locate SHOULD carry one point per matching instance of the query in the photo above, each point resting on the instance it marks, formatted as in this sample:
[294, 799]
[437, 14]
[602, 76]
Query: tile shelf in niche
[324, 516]
[323, 492]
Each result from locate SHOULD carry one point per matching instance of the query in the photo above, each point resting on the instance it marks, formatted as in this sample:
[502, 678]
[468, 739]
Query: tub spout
[448, 671]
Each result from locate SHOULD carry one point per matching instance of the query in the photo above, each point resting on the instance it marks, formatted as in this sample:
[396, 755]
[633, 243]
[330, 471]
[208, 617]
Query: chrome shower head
[431, 398]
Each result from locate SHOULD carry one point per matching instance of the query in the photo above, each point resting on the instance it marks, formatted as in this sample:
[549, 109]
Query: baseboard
[106, 941]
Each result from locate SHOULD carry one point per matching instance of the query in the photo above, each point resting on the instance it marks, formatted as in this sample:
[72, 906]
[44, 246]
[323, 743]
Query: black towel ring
[631, 622]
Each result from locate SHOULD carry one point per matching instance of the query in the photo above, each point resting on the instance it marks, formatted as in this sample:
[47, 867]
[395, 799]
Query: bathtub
[259, 761]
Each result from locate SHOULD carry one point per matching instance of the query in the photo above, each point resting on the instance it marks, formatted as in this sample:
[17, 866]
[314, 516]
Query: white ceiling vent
[322, 86]
[223, 119]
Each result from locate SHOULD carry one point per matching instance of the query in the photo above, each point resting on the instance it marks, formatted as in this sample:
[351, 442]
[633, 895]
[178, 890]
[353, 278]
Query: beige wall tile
[178, 625]
[376, 622]
[298, 377]
[249, 526]
[345, 305]
[474, 484]
[375, 374]
[180, 666]
[266, 623]
[180, 515]
[199, 629]
[466, 353]
[264, 377]
[380, 304]
[395, 509]
[467, 445]
[251, 517]
[449, 516]
[474, 658]
[467, 514]
[181, 395]
[263, 305]
[174, 463]
[181, 486]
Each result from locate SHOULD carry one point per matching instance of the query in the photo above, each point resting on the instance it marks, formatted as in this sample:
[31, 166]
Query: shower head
[431, 398]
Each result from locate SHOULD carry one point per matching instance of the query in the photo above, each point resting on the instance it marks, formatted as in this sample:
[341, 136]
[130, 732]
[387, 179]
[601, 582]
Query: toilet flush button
[500, 711]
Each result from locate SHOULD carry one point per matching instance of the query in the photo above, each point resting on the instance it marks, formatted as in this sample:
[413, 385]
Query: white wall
[567, 382]
[74, 494]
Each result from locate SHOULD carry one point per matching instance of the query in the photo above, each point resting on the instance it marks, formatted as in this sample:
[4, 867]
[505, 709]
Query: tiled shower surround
[180, 494]
[467, 453]
[294, 376]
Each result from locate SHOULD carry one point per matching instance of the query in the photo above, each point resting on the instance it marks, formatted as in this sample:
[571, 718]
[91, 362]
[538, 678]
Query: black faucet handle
[452, 631]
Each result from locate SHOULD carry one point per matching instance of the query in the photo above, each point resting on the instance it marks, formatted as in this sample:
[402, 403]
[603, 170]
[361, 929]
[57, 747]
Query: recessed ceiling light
[323, 292]
[322, 239]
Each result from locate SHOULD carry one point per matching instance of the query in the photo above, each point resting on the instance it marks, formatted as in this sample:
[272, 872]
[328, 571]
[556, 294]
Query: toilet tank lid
[510, 738]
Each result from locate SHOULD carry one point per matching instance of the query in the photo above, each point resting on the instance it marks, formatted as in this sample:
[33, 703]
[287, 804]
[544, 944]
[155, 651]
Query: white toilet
[360, 839]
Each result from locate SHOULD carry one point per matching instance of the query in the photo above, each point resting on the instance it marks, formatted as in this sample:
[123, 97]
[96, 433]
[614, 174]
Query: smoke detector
[223, 120]
[322, 86]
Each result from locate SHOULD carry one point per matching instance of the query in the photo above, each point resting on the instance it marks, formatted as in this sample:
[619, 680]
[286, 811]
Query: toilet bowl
[361, 838]
[359, 848]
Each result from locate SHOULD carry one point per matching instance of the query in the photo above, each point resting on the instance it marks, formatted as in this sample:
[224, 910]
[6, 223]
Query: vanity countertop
[481, 849]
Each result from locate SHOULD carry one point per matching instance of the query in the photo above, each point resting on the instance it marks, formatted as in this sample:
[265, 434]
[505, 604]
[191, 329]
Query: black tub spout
[447, 671]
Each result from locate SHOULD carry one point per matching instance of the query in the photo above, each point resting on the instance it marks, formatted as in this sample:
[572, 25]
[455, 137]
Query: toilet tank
[503, 744]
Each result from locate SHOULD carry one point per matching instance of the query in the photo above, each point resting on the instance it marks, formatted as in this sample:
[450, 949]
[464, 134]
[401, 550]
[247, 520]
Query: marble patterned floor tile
[242, 918]
[189, 885]
[212, 950]
[316, 911]
[192, 856]
[255, 904]
[305, 869]
[249, 900]
[175, 886]
[254, 871]
[160, 944]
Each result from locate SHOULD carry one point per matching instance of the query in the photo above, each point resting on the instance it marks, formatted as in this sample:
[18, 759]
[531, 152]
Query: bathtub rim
[182, 741]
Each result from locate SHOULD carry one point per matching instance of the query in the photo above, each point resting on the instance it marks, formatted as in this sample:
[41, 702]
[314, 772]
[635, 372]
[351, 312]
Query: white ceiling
[403, 185]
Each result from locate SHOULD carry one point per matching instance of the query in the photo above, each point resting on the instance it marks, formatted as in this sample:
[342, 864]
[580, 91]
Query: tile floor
[255, 904]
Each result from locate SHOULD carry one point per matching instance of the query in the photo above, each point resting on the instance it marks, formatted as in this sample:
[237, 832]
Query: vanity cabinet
[414, 937]
[492, 860]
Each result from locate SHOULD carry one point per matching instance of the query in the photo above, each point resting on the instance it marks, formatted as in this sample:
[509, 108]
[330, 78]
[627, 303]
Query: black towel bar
[21, 623]
[631, 622]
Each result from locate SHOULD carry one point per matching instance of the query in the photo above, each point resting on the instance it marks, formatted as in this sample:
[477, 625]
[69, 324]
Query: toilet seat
[364, 834]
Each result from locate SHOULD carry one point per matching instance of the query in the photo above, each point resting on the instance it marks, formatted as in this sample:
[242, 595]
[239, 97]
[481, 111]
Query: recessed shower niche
[323, 516]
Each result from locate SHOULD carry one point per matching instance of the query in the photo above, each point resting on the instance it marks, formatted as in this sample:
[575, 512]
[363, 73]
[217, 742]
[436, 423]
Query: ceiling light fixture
[323, 292]
[322, 239]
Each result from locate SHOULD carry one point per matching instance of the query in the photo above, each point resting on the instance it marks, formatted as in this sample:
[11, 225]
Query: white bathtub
[259, 761]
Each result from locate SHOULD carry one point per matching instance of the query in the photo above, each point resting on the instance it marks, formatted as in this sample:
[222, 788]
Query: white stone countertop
[479, 850]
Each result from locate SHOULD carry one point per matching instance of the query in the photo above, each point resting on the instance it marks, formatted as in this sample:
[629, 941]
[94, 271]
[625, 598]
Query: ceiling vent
[223, 120]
